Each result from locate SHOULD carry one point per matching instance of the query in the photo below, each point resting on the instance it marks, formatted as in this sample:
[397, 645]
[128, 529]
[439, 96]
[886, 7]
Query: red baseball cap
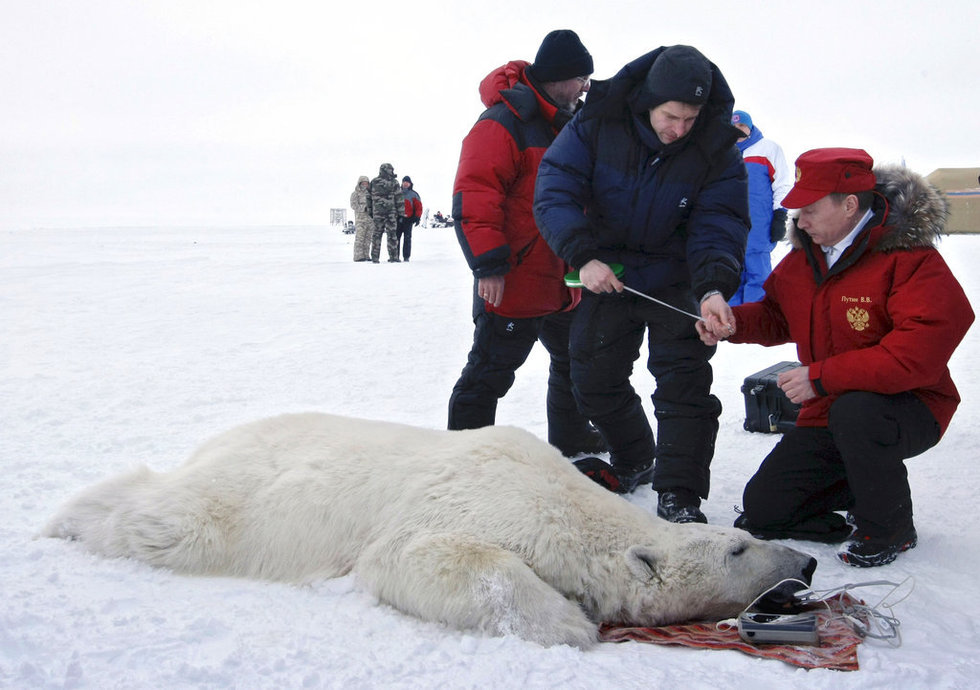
[820, 172]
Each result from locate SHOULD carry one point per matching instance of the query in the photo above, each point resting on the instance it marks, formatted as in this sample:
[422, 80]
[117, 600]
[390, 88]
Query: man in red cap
[875, 314]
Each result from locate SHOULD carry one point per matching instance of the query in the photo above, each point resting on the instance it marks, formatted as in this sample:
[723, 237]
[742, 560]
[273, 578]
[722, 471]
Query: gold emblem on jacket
[858, 318]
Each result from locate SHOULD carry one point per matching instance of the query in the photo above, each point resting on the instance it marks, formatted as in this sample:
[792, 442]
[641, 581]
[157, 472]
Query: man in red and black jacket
[519, 295]
[875, 314]
[413, 214]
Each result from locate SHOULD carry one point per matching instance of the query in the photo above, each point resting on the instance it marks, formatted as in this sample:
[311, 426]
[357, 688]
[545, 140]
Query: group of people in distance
[383, 207]
[654, 182]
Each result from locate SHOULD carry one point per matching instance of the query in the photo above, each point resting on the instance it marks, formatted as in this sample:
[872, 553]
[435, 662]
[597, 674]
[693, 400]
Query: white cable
[878, 625]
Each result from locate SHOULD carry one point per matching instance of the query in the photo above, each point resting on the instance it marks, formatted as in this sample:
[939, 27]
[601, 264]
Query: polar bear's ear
[644, 563]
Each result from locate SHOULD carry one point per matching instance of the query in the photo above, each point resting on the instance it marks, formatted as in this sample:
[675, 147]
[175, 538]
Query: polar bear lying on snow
[490, 529]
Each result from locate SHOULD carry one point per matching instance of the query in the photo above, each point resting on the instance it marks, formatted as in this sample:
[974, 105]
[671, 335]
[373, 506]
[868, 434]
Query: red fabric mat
[837, 649]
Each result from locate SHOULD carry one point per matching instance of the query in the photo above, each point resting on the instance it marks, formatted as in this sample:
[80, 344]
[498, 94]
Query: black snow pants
[405, 226]
[500, 346]
[606, 338]
[856, 463]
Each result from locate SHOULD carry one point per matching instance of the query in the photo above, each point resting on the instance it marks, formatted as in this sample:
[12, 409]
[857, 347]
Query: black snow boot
[680, 506]
[613, 478]
[865, 551]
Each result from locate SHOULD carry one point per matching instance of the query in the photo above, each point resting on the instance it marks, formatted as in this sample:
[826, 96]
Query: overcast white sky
[164, 112]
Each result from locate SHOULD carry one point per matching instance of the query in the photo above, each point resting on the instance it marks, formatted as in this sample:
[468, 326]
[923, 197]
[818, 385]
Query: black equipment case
[767, 409]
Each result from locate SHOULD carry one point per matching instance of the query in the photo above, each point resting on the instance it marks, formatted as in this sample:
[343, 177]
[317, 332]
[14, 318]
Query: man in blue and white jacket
[770, 180]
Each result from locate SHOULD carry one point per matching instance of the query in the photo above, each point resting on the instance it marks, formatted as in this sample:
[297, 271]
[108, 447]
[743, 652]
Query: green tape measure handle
[572, 279]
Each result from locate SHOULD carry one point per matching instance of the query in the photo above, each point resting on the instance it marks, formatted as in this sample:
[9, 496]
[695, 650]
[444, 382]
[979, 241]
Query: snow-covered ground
[127, 346]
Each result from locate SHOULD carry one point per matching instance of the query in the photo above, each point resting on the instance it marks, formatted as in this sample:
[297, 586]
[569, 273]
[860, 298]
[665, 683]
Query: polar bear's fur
[489, 530]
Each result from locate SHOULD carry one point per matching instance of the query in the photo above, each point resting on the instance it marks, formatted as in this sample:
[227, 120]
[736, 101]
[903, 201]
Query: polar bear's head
[702, 572]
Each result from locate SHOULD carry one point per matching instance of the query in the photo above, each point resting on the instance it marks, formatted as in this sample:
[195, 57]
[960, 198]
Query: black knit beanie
[680, 73]
[407, 179]
[561, 56]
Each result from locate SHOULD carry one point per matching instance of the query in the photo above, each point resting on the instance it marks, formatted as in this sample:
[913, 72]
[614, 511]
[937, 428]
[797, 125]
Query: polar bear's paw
[472, 585]
[515, 601]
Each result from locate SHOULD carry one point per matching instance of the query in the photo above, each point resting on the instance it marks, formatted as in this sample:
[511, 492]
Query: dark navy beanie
[680, 73]
[561, 56]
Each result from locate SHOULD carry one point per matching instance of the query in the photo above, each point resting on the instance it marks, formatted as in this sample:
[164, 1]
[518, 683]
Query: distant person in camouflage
[388, 205]
[360, 201]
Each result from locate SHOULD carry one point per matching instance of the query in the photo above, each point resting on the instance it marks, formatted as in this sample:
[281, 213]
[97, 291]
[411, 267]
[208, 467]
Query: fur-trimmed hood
[913, 211]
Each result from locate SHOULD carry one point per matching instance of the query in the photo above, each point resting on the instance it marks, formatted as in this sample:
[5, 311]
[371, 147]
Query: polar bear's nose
[783, 597]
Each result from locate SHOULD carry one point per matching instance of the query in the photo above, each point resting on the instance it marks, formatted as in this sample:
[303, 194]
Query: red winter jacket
[886, 318]
[413, 203]
[494, 191]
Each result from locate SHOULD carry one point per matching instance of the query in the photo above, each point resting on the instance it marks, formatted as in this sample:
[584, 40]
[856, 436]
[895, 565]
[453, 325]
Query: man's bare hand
[795, 383]
[598, 277]
[491, 289]
[718, 320]
[707, 337]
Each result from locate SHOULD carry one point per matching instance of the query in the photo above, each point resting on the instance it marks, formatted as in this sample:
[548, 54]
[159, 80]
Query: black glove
[416, 221]
[777, 228]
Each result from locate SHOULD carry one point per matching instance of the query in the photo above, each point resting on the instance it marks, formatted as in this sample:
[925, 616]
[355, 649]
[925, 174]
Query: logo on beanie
[858, 318]
[698, 91]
